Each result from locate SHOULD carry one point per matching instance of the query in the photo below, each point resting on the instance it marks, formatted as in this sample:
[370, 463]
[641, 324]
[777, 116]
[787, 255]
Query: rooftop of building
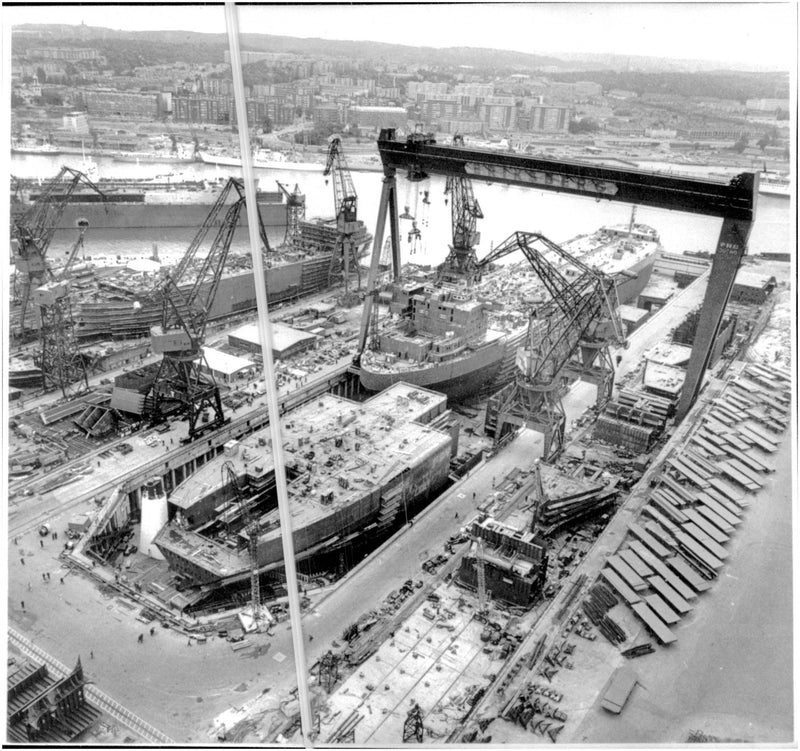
[283, 336]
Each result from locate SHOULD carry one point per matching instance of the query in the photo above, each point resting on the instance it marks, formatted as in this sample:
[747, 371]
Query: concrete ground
[729, 674]
[435, 665]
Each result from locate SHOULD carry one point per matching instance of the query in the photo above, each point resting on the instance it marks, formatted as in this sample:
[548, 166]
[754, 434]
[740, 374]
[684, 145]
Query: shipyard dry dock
[353, 469]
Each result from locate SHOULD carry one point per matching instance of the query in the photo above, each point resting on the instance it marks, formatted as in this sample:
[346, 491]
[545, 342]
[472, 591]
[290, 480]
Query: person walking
[91, 654]
[22, 561]
[23, 604]
[41, 542]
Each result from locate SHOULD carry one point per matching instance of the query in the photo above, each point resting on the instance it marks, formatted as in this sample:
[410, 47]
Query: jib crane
[61, 362]
[346, 205]
[295, 213]
[568, 336]
[464, 213]
[180, 386]
[252, 530]
[733, 201]
[32, 232]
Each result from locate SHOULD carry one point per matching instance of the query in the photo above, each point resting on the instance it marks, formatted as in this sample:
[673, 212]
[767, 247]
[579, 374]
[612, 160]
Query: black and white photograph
[382, 375]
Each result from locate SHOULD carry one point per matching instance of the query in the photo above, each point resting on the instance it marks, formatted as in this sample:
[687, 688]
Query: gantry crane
[252, 529]
[568, 337]
[32, 233]
[465, 210]
[295, 213]
[734, 201]
[346, 205]
[180, 386]
[60, 360]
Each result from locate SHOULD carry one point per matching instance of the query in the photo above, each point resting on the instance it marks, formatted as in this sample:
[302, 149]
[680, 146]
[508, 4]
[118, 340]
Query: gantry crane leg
[731, 246]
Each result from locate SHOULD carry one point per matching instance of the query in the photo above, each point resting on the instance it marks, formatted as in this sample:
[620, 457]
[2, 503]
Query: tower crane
[295, 213]
[32, 232]
[60, 360]
[480, 564]
[464, 211]
[252, 530]
[346, 204]
[568, 336]
[179, 385]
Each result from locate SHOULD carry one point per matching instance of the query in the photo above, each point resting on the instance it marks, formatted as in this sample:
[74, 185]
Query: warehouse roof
[221, 362]
[283, 337]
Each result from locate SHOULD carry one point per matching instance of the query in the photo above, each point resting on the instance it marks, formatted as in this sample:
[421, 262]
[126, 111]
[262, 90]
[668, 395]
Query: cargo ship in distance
[135, 204]
[463, 341]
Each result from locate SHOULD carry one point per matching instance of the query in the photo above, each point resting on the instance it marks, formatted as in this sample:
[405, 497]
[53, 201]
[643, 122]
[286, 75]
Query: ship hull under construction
[122, 316]
[484, 368]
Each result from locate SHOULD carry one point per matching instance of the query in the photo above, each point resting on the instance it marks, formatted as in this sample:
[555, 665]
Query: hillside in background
[156, 47]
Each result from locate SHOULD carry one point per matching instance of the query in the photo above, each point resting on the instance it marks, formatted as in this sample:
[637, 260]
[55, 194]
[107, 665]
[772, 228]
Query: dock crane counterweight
[346, 205]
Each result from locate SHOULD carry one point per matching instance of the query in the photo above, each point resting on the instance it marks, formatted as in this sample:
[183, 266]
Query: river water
[505, 209]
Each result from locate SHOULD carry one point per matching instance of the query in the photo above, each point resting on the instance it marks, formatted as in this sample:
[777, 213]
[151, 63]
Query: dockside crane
[180, 385]
[295, 213]
[461, 262]
[33, 231]
[60, 360]
[252, 530]
[346, 205]
[568, 337]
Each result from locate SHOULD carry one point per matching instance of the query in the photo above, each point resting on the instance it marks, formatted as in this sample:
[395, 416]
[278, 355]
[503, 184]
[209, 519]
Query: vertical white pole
[265, 336]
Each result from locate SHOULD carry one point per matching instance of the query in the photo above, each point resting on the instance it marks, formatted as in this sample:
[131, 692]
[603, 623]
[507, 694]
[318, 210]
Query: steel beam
[421, 157]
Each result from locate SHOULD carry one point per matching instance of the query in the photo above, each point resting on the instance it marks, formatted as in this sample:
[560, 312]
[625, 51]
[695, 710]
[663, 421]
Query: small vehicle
[236, 636]
[130, 550]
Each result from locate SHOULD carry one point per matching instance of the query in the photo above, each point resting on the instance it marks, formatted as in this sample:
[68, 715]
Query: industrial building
[286, 341]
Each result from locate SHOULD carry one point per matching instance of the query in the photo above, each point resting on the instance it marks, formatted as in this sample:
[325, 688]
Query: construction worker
[141, 639]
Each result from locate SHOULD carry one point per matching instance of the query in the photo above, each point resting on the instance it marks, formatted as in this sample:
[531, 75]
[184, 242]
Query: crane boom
[464, 213]
[344, 191]
[33, 231]
[180, 384]
[345, 255]
[568, 335]
[252, 530]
